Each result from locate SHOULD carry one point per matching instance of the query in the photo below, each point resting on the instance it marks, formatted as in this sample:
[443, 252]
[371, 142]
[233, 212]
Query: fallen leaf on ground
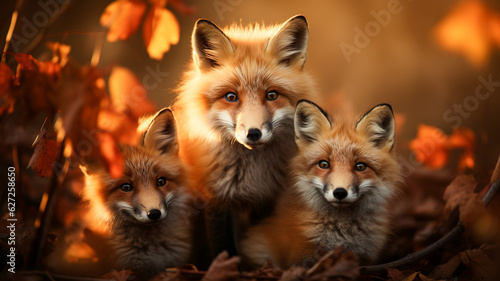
[223, 268]
[335, 265]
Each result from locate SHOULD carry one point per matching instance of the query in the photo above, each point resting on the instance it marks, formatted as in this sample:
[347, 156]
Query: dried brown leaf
[123, 18]
[460, 193]
[160, 30]
[122, 275]
[395, 274]
[335, 265]
[223, 268]
[44, 156]
[446, 270]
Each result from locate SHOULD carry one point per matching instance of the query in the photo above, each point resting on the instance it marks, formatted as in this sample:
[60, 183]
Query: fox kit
[145, 209]
[341, 180]
[235, 110]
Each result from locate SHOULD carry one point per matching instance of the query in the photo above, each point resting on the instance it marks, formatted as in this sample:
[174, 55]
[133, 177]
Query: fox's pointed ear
[310, 121]
[379, 126]
[289, 43]
[210, 45]
[161, 134]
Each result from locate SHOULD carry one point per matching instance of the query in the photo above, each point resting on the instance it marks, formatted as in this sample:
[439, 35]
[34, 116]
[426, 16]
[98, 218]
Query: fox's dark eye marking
[231, 97]
[360, 166]
[161, 181]
[323, 164]
[127, 187]
[272, 95]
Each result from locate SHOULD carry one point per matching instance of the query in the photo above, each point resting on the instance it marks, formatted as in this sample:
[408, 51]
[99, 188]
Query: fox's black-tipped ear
[210, 45]
[379, 126]
[161, 134]
[310, 121]
[289, 43]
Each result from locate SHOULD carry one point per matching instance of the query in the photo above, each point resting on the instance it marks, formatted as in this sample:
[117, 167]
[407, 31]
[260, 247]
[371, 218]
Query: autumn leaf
[7, 94]
[465, 139]
[430, 147]
[160, 30]
[111, 154]
[128, 95]
[223, 268]
[44, 156]
[122, 275]
[469, 29]
[395, 274]
[123, 18]
[335, 265]
[460, 193]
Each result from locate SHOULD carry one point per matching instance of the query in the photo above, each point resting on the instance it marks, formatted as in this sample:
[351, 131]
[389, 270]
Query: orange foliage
[470, 29]
[123, 18]
[160, 30]
[432, 147]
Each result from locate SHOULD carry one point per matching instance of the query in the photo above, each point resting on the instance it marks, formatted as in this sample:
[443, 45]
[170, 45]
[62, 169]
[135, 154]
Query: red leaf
[6, 88]
[26, 61]
[395, 274]
[123, 18]
[44, 156]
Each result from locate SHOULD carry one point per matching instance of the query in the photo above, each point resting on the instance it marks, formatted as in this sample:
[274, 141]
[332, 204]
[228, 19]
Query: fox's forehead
[141, 164]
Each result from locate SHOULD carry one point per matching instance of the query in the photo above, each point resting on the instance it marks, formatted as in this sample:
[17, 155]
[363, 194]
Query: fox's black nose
[340, 193]
[154, 214]
[254, 134]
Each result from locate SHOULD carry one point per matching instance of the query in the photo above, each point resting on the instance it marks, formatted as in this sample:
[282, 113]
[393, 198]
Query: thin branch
[54, 276]
[41, 35]
[414, 257]
[13, 22]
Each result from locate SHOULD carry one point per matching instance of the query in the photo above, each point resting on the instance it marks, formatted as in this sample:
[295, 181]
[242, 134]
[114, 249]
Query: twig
[54, 276]
[34, 43]
[13, 22]
[414, 257]
[46, 217]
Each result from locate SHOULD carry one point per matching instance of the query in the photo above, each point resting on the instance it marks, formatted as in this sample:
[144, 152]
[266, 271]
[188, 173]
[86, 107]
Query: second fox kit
[341, 181]
[145, 209]
[235, 108]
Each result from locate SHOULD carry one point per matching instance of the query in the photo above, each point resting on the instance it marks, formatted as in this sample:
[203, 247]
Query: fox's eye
[127, 187]
[323, 164]
[360, 166]
[161, 181]
[231, 97]
[272, 95]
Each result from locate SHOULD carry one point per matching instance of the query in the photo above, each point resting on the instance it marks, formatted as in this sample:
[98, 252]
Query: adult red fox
[235, 111]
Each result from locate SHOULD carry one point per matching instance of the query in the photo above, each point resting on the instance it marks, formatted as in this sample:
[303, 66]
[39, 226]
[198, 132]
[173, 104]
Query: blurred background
[436, 62]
